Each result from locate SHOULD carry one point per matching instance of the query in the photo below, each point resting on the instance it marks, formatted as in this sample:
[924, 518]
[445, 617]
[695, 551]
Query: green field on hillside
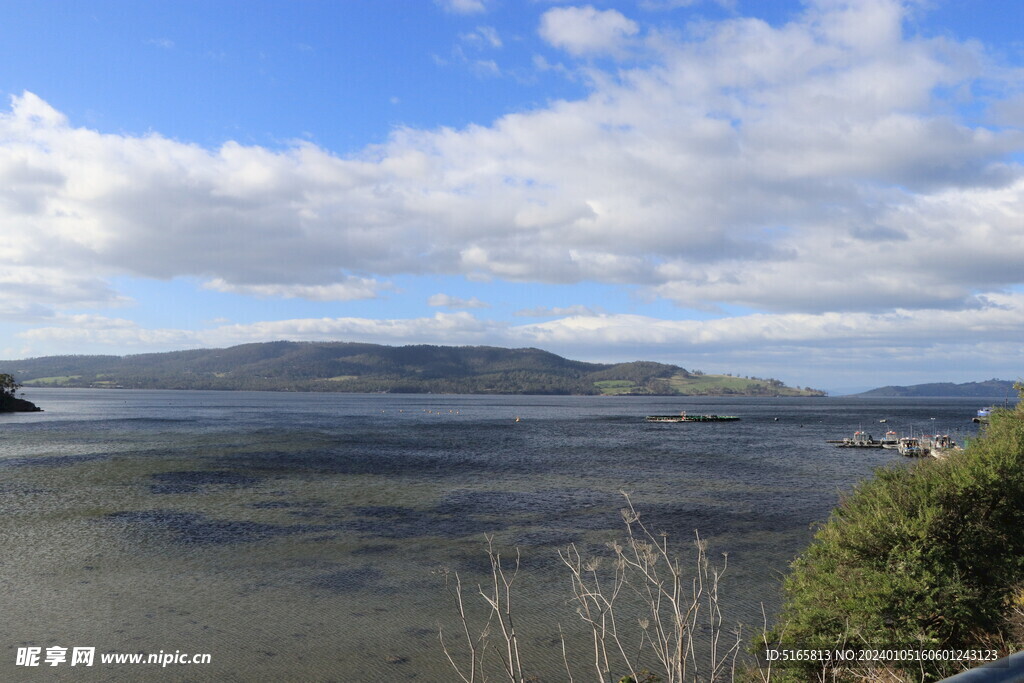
[701, 385]
[59, 381]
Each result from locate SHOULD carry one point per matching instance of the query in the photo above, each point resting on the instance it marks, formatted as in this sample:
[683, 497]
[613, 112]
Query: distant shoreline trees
[372, 368]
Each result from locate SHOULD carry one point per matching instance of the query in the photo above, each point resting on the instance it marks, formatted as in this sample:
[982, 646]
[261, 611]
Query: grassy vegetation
[701, 383]
[63, 380]
[698, 384]
[613, 387]
[926, 557]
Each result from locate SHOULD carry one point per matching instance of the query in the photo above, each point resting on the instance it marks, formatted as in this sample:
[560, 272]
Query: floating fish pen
[683, 417]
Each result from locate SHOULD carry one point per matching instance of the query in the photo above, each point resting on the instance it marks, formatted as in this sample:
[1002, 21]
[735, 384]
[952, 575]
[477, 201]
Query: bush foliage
[930, 556]
[8, 385]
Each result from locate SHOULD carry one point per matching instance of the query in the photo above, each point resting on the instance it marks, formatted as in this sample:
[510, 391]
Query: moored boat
[911, 447]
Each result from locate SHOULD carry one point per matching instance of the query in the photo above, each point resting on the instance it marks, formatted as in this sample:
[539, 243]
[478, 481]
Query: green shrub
[8, 385]
[930, 556]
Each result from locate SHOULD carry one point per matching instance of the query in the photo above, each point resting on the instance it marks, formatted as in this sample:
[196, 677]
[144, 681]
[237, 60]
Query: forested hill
[993, 388]
[353, 367]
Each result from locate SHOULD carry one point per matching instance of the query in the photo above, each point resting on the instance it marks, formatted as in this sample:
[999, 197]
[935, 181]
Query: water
[300, 536]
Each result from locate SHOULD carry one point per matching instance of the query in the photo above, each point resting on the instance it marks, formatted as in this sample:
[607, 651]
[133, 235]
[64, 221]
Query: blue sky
[827, 192]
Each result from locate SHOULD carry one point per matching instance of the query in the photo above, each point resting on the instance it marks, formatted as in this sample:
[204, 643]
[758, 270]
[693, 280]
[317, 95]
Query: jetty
[864, 440]
[938, 446]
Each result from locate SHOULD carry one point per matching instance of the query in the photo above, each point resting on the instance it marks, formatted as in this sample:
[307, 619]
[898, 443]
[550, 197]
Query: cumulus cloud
[1000, 318]
[463, 6]
[33, 292]
[660, 5]
[352, 288]
[448, 301]
[483, 36]
[814, 168]
[586, 30]
[557, 311]
[88, 332]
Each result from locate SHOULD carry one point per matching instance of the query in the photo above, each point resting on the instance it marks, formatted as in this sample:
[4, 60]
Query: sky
[827, 192]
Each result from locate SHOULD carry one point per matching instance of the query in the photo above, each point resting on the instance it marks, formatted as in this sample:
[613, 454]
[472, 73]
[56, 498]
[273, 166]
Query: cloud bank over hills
[834, 188]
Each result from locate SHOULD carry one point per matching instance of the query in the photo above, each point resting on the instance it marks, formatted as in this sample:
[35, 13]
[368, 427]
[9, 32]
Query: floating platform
[865, 440]
[683, 417]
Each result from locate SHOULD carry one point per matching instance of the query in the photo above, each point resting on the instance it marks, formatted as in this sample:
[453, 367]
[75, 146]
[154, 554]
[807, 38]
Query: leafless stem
[642, 576]
[474, 646]
[500, 601]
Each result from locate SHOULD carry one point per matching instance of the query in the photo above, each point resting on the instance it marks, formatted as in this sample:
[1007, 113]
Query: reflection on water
[298, 536]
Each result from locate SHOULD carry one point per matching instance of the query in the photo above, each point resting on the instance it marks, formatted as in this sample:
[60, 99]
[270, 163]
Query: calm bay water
[299, 536]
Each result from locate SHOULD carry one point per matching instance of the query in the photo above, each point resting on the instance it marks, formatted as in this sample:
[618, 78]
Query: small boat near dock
[911, 447]
[683, 417]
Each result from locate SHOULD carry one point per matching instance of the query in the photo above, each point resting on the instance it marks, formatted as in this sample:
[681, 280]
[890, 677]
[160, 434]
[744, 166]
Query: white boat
[910, 446]
[891, 440]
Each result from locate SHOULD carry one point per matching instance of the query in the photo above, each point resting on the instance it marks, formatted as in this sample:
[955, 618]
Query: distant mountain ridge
[369, 368]
[992, 388]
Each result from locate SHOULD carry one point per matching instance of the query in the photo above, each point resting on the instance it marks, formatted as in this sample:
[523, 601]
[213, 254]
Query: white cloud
[586, 30]
[38, 292]
[353, 288]
[816, 168]
[436, 329]
[558, 311]
[660, 5]
[485, 68]
[996, 319]
[448, 301]
[463, 6]
[483, 36]
[98, 332]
